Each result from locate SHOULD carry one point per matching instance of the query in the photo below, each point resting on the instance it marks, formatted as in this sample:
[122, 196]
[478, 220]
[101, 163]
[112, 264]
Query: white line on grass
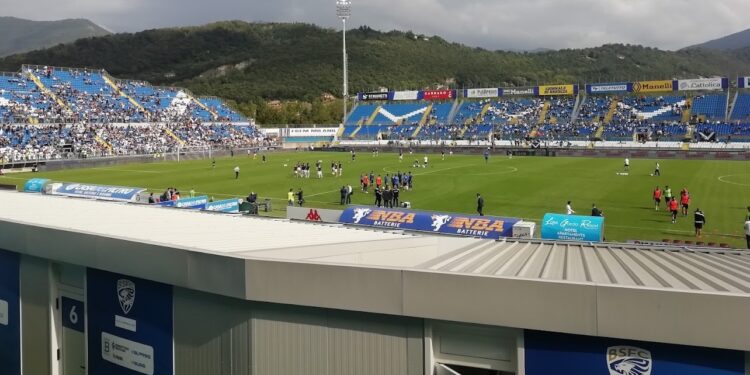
[721, 179]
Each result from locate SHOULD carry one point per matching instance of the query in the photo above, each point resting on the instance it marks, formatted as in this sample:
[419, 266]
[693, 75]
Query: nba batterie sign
[455, 224]
[554, 353]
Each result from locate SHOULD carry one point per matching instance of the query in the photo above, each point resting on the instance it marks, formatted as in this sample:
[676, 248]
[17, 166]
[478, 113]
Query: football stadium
[561, 227]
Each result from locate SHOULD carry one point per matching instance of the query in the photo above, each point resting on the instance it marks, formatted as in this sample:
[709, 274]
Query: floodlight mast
[344, 11]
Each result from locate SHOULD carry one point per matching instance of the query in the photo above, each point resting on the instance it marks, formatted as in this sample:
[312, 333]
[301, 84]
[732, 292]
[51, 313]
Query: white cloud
[493, 24]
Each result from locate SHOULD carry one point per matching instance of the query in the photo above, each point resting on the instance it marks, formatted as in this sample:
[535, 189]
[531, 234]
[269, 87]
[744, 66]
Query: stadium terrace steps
[423, 121]
[354, 133]
[46, 90]
[613, 106]
[544, 112]
[686, 112]
[485, 109]
[102, 142]
[174, 136]
[200, 104]
[117, 90]
[690, 131]
[372, 117]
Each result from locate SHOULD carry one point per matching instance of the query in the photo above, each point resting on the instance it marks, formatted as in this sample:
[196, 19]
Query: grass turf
[525, 187]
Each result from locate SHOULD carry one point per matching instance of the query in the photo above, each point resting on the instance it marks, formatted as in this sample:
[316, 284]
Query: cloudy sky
[493, 24]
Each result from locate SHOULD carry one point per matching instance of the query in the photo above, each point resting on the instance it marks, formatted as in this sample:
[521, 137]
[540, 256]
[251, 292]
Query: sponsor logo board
[700, 84]
[456, 224]
[653, 86]
[556, 90]
[482, 93]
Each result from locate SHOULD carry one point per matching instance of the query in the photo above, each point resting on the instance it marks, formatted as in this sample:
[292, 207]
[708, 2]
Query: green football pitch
[523, 187]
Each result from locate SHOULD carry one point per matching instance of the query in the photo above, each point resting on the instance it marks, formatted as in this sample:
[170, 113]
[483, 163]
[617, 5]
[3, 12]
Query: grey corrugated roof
[658, 267]
[185, 229]
[254, 238]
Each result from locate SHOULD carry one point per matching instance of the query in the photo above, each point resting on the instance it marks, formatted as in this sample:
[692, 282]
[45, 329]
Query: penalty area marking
[723, 179]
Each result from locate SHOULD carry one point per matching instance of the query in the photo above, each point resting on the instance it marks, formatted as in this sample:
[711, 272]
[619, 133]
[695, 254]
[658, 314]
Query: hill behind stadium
[251, 63]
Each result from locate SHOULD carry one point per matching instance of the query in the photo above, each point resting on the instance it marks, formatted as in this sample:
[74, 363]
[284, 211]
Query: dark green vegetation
[521, 187]
[251, 63]
[19, 35]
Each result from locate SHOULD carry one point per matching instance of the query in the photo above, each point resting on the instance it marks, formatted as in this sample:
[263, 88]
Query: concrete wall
[35, 316]
[219, 335]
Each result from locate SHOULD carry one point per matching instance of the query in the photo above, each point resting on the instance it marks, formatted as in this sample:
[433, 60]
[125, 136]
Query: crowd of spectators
[80, 140]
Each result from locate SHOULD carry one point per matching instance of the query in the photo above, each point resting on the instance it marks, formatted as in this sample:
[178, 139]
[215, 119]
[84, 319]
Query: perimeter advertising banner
[111, 193]
[608, 88]
[523, 91]
[572, 228]
[482, 93]
[10, 314]
[405, 95]
[227, 205]
[35, 185]
[550, 90]
[456, 224]
[312, 132]
[653, 86]
[702, 84]
[379, 95]
[743, 82]
[437, 94]
[129, 324]
[197, 203]
[555, 353]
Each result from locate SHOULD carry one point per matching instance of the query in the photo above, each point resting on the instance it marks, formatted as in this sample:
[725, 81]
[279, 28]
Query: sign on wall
[653, 86]
[702, 84]
[555, 353]
[607, 88]
[456, 224]
[35, 185]
[572, 228]
[227, 205]
[550, 90]
[112, 193]
[197, 203]
[129, 325]
[482, 93]
[10, 314]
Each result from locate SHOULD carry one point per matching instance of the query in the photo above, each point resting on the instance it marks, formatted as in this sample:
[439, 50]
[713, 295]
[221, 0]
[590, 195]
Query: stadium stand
[710, 107]
[741, 109]
[49, 94]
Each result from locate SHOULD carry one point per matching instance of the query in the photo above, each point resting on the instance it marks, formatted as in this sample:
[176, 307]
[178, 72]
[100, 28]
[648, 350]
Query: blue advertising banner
[129, 325]
[457, 224]
[378, 95]
[228, 205]
[112, 193]
[72, 314]
[573, 228]
[554, 353]
[197, 203]
[35, 185]
[10, 314]
[608, 88]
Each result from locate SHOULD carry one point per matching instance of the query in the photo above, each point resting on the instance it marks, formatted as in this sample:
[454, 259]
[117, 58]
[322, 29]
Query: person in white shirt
[627, 165]
[236, 172]
[569, 209]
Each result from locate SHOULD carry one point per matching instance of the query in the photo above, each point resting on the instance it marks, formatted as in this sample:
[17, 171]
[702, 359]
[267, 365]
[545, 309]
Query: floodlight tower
[343, 11]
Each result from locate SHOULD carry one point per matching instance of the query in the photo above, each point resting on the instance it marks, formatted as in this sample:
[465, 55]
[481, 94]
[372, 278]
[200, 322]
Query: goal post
[193, 152]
